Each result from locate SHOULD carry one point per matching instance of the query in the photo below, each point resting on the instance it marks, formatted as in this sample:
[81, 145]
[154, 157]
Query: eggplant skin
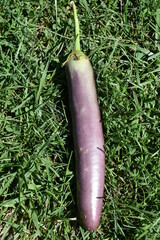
[88, 140]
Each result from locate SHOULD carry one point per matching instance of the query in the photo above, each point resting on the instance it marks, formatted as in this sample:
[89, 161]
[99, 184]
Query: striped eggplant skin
[88, 140]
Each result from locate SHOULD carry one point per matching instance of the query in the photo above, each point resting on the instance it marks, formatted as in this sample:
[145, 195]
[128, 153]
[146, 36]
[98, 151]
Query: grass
[37, 176]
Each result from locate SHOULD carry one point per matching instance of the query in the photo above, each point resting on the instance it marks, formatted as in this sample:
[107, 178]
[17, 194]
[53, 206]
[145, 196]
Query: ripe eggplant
[87, 135]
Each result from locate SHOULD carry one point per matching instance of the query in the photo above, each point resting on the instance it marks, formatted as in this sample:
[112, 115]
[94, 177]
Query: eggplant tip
[90, 226]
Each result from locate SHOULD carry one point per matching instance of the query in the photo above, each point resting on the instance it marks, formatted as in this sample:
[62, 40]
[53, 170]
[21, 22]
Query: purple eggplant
[87, 135]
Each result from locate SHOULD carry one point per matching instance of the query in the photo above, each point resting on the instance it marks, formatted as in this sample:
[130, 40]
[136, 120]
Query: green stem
[157, 35]
[76, 22]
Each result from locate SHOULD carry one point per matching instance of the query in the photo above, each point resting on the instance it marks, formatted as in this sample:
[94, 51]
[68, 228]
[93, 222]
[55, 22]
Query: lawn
[37, 163]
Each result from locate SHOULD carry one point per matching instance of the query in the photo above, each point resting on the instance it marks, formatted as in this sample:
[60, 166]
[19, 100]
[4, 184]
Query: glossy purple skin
[88, 141]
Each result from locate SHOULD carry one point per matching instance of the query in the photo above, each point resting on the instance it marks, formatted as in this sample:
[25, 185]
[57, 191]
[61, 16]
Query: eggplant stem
[76, 22]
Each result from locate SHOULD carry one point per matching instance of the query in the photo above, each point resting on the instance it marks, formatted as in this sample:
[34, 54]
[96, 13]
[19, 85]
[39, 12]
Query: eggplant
[87, 135]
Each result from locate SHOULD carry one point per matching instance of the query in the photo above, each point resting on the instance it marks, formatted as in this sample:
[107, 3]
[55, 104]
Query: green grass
[37, 176]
